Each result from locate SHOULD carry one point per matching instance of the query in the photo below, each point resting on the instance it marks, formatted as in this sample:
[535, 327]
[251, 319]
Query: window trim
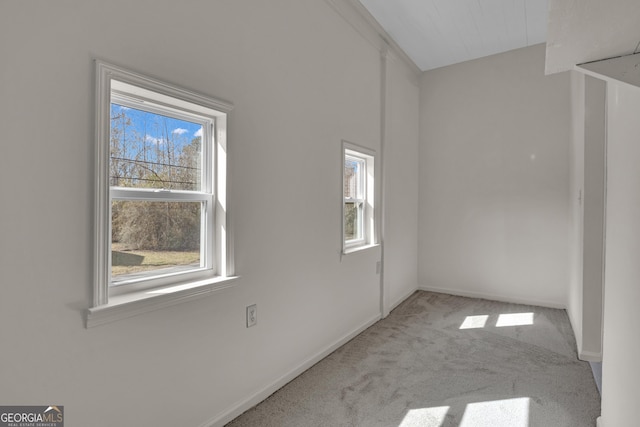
[108, 306]
[368, 238]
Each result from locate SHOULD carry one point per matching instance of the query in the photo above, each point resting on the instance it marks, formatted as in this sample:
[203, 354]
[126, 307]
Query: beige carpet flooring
[438, 361]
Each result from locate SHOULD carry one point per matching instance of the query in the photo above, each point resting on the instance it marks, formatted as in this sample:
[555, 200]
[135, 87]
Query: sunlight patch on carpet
[474, 322]
[514, 319]
[497, 413]
[425, 417]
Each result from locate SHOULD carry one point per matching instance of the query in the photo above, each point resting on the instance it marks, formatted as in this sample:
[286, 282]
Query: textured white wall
[301, 79]
[575, 284]
[494, 179]
[401, 157]
[584, 306]
[594, 214]
[621, 373]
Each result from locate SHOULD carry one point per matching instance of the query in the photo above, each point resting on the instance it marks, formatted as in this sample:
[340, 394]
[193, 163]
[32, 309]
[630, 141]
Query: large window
[161, 215]
[358, 193]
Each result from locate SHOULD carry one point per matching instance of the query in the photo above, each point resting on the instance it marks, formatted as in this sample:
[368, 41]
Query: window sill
[134, 303]
[360, 248]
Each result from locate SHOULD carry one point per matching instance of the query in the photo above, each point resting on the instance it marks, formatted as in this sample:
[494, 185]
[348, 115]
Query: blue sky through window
[150, 149]
[155, 127]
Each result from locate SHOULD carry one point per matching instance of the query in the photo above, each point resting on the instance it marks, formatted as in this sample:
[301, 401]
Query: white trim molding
[132, 304]
[392, 306]
[493, 297]
[269, 389]
[590, 356]
[365, 190]
[356, 15]
[138, 295]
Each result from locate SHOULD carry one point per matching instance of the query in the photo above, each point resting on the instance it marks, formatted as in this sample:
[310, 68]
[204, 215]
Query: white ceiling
[435, 33]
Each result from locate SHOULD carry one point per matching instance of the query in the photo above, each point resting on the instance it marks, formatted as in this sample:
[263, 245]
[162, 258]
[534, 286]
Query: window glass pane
[352, 220]
[152, 238]
[150, 150]
[353, 170]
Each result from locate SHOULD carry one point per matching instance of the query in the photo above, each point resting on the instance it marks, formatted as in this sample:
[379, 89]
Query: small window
[358, 192]
[160, 187]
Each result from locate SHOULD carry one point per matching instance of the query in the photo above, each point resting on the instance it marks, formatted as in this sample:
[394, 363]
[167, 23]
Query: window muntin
[186, 189]
[358, 195]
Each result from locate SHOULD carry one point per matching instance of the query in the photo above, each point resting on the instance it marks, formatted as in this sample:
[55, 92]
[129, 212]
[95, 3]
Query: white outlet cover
[252, 315]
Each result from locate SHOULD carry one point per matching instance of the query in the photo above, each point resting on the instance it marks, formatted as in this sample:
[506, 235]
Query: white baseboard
[493, 297]
[576, 327]
[599, 422]
[402, 299]
[589, 356]
[253, 400]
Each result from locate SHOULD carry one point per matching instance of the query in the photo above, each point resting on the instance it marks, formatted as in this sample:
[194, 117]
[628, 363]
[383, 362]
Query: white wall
[301, 79]
[575, 284]
[594, 214]
[584, 304]
[494, 179]
[401, 156]
[621, 372]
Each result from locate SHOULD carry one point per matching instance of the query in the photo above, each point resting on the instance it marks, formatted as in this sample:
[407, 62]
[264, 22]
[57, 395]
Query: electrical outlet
[252, 315]
[378, 267]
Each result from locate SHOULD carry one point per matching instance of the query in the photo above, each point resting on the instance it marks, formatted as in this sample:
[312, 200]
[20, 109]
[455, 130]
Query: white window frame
[130, 297]
[367, 157]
